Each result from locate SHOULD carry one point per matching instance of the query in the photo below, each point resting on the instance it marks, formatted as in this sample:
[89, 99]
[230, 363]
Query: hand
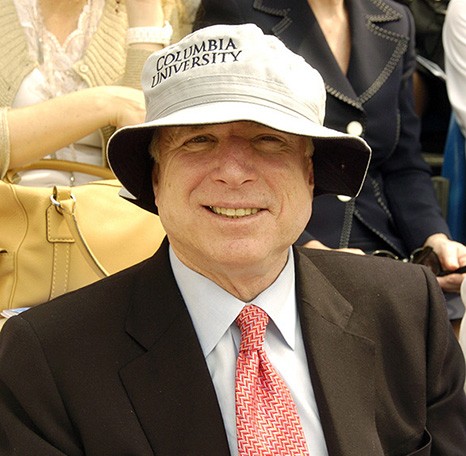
[314, 244]
[452, 255]
[71, 116]
[145, 13]
[126, 106]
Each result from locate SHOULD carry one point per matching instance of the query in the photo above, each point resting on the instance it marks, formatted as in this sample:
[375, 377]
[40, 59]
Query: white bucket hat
[227, 73]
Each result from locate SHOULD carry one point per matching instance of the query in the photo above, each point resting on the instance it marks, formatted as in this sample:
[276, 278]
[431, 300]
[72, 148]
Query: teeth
[234, 213]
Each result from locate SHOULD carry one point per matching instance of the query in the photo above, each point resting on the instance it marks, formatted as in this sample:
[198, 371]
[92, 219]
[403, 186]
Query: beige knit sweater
[107, 61]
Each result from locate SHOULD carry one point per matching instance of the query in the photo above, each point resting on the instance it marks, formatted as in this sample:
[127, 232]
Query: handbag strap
[65, 203]
[61, 165]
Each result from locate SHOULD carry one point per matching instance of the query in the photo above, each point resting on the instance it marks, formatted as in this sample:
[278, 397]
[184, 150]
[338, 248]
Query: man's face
[232, 197]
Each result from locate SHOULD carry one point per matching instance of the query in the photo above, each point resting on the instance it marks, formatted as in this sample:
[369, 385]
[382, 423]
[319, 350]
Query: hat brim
[340, 160]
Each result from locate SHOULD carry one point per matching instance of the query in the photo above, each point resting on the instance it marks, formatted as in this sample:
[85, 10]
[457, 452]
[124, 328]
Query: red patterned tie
[267, 422]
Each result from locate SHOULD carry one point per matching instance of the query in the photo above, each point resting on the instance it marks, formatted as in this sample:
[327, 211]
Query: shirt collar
[213, 310]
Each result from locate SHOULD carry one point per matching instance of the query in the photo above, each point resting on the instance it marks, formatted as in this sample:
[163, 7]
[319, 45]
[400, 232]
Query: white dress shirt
[213, 311]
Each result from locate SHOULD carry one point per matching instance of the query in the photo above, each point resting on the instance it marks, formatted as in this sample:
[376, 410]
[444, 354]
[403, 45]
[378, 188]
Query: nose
[236, 162]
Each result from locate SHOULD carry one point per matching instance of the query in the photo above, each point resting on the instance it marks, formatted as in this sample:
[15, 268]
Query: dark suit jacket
[397, 208]
[116, 368]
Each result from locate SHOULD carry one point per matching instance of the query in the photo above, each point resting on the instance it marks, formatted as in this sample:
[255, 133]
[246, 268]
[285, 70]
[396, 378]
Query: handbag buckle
[58, 205]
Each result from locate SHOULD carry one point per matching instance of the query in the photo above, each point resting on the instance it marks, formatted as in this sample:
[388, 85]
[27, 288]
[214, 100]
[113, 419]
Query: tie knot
[252, 322]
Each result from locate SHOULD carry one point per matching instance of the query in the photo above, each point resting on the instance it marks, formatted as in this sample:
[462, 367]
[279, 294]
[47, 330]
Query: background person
[71, 73]
[430, 93]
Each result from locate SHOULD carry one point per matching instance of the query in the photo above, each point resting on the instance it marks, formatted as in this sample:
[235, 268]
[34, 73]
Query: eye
[269, 143]
[198, 139]
[199, 142]
[268, 138]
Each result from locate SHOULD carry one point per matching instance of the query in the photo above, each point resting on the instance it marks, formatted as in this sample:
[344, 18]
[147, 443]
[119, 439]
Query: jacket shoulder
[370, 277]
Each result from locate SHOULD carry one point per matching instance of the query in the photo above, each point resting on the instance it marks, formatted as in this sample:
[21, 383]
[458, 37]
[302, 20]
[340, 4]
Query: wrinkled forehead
[238, 126]
[166, 137]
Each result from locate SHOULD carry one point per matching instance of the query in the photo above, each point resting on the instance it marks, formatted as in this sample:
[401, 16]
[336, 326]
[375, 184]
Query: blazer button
[344, 198]
[354, 128]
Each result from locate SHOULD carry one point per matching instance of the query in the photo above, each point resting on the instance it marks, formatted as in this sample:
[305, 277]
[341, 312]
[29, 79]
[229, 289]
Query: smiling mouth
[234, 213]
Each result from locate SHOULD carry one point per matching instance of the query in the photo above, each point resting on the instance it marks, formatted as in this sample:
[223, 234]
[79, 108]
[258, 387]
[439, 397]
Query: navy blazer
[397, 208]
[116, 368]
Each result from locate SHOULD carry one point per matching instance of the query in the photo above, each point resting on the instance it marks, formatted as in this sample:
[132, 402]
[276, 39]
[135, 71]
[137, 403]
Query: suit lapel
[285, 23]
[375, 50]
[341, 364]
[169, 385]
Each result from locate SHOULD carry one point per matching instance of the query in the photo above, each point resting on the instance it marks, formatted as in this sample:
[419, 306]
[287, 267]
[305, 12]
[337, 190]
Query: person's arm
[452, 255]
[409, 189]
[145, 13]
[407, 180]
[27, 133]
[212, 12]
[454, 43]
[38, 130]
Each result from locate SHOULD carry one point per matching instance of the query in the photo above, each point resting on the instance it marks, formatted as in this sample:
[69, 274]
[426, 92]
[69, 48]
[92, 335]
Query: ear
[310, 164]
[311, 172]
[155, 177]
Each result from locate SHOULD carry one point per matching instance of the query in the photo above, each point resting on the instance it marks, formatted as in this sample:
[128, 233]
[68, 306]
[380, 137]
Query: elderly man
[169, 358]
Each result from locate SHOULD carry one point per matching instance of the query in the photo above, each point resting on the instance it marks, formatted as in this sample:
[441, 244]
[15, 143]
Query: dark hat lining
[337, 170]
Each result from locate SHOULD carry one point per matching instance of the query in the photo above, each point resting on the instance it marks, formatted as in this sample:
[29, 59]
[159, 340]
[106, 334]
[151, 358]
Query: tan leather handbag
[54, 240]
